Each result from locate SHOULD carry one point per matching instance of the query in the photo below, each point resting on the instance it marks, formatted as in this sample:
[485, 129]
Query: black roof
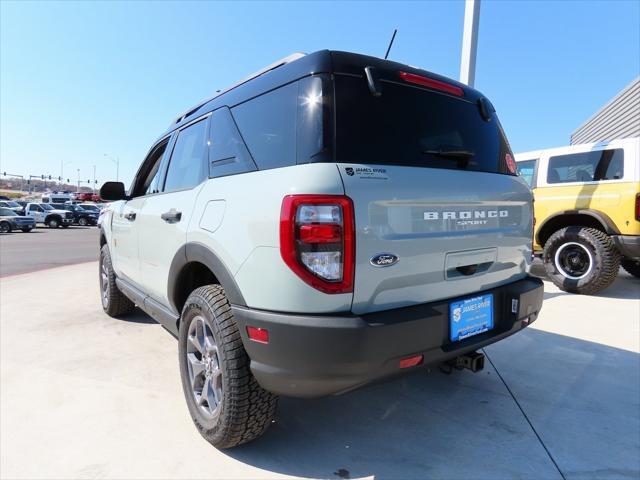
[323, 61]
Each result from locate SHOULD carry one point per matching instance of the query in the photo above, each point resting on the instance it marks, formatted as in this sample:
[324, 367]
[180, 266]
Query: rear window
[586, 166]
[526, 169]
[414, 127]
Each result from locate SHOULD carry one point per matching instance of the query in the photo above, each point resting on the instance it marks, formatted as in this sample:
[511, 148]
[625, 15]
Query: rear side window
[268, 126]
[586, 166]
[415, 127]
[228, 154]
[186, 167]
[526, 169]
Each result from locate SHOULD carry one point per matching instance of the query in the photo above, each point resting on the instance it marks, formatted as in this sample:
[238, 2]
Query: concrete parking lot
[87, 396]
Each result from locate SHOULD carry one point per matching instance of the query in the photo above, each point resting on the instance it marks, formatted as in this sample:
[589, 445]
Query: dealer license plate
[470, 317]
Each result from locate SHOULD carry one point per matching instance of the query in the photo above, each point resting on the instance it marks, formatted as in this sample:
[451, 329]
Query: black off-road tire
[53, 222]
[5, 227]
[605, 256]
[631, 266]
[246, 409]
[83, 222]
[114, 303]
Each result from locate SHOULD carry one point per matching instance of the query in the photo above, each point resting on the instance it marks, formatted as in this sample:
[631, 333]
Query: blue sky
[81, 79]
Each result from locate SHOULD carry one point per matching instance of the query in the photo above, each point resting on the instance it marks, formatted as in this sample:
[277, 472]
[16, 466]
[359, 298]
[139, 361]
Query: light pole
[470, 42]
[115, 160]
[78, 189]
[94, 179]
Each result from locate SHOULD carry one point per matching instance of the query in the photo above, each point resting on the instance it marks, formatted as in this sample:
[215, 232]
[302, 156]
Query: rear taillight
[317, 240]
[638, 207]
[432, 83]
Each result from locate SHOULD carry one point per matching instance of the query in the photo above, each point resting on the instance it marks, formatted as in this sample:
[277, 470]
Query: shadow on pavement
[583, 396]
[137, 316]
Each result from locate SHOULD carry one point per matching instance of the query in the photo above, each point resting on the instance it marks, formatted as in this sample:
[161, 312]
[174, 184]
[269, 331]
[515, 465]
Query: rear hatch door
[438, 214]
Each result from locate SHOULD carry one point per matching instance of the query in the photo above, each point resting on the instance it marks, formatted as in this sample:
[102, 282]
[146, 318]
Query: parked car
[56, 197]
[22, 204]
[45, 214]
[10, 220]
[334, 220]
[81, 216]
[15, 206]
[91, 207]
[587, 209]
[4, 197]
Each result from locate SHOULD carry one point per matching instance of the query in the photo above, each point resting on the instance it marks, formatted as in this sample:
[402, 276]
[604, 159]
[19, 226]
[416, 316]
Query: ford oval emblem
[384, 260]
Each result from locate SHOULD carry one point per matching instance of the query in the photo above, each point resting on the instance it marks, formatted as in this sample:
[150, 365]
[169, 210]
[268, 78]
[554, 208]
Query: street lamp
[115, 160]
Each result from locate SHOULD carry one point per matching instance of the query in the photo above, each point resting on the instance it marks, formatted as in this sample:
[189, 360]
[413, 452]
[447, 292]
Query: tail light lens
[317, 240]
[638, 207]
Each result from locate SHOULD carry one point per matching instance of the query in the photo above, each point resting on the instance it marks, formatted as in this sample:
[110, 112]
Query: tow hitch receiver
[473, 361]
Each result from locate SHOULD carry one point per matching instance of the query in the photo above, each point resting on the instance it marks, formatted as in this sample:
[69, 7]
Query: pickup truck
[43, 213]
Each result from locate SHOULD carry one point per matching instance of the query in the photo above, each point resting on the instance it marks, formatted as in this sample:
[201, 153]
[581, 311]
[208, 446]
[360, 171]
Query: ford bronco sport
[587, 209]
[334, 220]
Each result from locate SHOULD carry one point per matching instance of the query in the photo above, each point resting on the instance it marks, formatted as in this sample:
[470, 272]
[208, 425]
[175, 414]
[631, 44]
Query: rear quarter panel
[238, 218]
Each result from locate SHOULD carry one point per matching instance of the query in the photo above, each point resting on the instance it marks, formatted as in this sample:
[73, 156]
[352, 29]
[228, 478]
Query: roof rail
[268, 68]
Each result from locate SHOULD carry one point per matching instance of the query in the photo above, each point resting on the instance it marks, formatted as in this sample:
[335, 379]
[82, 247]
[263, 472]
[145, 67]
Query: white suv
[334, 220]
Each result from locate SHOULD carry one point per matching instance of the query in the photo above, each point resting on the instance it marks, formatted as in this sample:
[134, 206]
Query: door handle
[172, 216]
[131, 216]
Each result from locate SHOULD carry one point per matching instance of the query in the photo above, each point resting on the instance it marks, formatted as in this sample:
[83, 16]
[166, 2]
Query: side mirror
[113, 191]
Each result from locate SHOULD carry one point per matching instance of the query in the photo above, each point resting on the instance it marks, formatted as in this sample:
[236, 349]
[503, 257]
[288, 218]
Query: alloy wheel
[203, 363]
[104, 284]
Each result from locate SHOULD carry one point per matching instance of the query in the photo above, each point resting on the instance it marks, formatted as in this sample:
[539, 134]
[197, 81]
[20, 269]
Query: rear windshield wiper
[455, 154]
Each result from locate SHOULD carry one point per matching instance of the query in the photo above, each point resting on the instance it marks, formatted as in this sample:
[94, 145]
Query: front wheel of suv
[5, 227]
[581, 260]
[631, 266]
[226, 404]
[53, 223]
[114, 303]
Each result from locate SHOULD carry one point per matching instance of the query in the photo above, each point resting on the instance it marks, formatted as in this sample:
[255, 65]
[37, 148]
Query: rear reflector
[638, 207]
[411, 361]
[329, 233]
[432, 83]
[258, 334]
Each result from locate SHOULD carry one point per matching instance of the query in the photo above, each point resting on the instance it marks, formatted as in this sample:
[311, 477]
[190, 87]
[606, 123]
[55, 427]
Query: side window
[36, 208]
[146, 181]
[526, 169]
[228, 154]
[586, 166]
[186, 167]
[268, 126]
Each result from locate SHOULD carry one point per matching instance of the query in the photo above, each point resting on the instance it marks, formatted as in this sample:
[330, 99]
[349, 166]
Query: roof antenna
[393, 37]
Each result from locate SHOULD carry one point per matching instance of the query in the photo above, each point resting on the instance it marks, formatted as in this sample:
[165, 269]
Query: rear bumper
[628, 245]
[317, 355]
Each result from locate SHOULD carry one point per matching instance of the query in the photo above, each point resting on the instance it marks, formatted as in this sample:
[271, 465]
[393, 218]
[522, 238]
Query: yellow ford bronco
[587, 211]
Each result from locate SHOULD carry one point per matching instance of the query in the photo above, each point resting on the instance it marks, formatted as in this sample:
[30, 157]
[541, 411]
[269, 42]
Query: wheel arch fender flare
[557, 219]
[197, 252]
